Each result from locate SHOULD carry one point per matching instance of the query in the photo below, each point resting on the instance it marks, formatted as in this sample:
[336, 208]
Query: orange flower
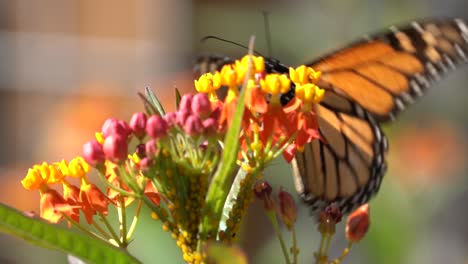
[152, 193]
[52, 205]
[92, 201]
[71, 194]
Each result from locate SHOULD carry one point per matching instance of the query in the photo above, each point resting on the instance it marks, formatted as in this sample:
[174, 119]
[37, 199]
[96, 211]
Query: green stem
[272, 215]
[76, 224]
[135, 220]
[111, 230]
[123, 220]
[294, 249]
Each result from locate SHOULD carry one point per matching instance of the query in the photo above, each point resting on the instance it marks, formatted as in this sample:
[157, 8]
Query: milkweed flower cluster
[182, 164]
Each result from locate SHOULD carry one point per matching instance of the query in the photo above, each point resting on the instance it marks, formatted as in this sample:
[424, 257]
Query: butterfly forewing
[387, 71]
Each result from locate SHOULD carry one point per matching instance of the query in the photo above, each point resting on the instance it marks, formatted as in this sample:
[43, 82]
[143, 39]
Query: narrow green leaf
[219, 186]
[149, 108]
[154, 101]
[223, 254]
[47, 235]
[177, 98]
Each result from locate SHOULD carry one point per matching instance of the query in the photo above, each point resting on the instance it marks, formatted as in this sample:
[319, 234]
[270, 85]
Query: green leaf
[178, 97]
[223, 254]
[153, 100]
[219, 186]
[47, 235]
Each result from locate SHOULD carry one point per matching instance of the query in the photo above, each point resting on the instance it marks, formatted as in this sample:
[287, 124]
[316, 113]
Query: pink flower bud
[201, 105]
[145, 163]
[182, 116]
[288, 209]
[185, 102]
[138, 124]
[210, 126]
[150, 148]
[171, 118]
[115, 148]
[114, 126]
[93, 153]
[193, 125]
[358, 223]
[156, 127]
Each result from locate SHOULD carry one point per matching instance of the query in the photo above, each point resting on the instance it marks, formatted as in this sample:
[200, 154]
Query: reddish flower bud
[145, 163]
[201, 105]
[193, 125]
[93, 153]
[150, 148]
[210, 125]
[263, 192]
[181, 117]
[141, 150]
[113, 126]
[358, 223]
[138, 124]
[185, 102]
[156, 127]
[171, 118]
[288, 209]
[115, 148]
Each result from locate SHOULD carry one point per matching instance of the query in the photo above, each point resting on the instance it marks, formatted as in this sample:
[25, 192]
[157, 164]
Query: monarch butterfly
[368, 82]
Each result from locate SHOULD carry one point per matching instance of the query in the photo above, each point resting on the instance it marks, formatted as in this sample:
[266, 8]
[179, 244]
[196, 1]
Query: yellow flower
[309, 93]
[229, 75]
[33, 180]
[208, 83]
[258, 66]
[55, 174]
[44, 170]
[304, 75]
[78, 167]
[99, 137]
[275, 84]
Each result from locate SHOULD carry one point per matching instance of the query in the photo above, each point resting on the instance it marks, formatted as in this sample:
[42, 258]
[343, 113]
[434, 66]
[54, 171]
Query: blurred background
[65, 66]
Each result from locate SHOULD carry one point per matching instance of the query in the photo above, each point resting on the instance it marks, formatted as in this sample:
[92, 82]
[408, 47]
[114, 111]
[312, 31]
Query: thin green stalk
[122, 220]
[294, 249]
[135, 220]
[272, 215]
[76, 224]
[111, 230]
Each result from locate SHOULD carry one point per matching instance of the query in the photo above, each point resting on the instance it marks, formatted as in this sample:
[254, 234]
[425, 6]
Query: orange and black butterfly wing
[347, 167]
[387, 71]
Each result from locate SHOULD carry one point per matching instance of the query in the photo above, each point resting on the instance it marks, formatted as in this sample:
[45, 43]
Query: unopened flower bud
[201, 105]
[141, 150]
[93, 153]
[156, 127]
[181, 116]
[186, 102]
[263, 192]
[115, 148]
[328, 219]
[358, 223]
[150, 148]
[145, 163]
[210, 126]
[288, 208]
[171, 118]
[138, 124]
[114, 126]
[193, 125]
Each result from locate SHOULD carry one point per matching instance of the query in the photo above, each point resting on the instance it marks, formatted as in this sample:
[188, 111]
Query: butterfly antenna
[229, 41]
[266, 22]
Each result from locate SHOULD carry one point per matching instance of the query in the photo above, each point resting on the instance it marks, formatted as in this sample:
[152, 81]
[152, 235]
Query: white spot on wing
[417, 27]
[460, 52]
[416, 88]
[432, 71]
